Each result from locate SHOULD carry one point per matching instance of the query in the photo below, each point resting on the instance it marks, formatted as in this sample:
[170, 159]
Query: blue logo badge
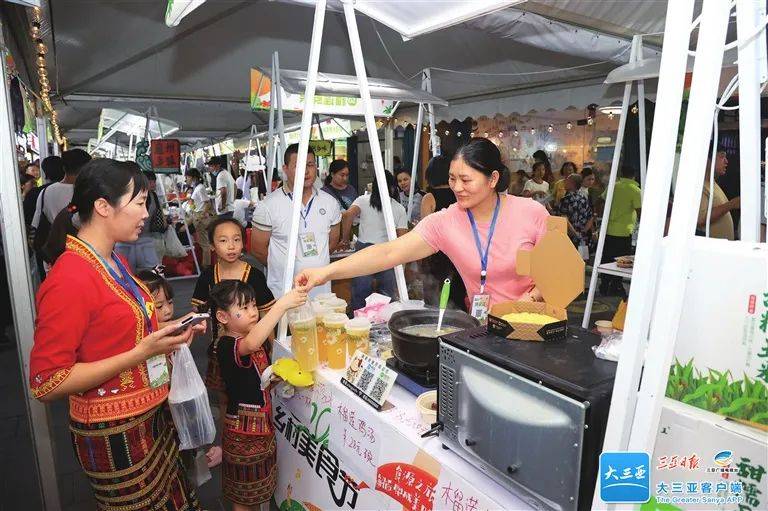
[625, 477]
[723, 458]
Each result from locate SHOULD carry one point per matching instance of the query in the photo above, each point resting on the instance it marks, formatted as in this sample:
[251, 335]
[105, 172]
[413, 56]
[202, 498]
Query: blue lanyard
[126, 282]
[476, 233]
[304, 211]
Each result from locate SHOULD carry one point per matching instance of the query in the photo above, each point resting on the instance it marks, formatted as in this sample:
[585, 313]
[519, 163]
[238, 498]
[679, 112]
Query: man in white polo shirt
[224, 184]
[319, 225]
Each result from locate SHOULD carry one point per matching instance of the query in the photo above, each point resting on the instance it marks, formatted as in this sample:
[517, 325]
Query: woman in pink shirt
[487, 267]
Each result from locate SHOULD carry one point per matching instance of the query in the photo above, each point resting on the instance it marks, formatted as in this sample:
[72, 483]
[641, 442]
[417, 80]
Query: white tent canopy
[198, 73]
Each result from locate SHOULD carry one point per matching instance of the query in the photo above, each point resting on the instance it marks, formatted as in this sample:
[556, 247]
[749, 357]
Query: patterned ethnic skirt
[213, 378]
[249, 467]
[134, 464]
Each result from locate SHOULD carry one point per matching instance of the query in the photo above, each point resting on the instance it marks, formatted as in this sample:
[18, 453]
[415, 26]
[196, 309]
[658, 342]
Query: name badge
[308, 244]
[157, 369]
[480, 306]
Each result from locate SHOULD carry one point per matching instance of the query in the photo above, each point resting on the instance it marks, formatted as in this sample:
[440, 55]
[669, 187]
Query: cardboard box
[557, 269]
[696, 446]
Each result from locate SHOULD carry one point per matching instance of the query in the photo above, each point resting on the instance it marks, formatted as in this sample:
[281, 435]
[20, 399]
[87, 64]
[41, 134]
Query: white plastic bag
[610, 347]
[189, 404]
[173, 246]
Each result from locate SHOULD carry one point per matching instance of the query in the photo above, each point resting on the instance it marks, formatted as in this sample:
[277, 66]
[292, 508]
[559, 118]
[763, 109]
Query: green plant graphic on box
[745, 399]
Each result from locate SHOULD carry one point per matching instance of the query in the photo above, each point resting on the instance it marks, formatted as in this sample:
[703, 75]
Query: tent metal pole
[389, 148]
[271, 129]
[22, 297]
[373, 139]
[434, 138]
[42, 138]
[415, 162]
[609, 196]
[747, 16]
[112, 131]
[641, 118]
[280, 116]
[685, 211]
[661, 160]
[301, 157]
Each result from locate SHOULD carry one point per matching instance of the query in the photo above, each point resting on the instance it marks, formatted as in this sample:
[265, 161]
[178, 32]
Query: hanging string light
[515, 133]
[569, 126]
[501, 134]
[533, 131]
[635, 109]
[42, 73]
[589, 121]
[550, 128]
[458, 133]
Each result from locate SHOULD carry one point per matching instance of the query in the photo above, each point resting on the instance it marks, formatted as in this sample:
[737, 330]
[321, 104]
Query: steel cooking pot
[418, 352]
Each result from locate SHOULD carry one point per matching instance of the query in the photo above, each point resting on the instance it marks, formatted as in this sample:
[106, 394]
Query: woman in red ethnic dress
[97, 342]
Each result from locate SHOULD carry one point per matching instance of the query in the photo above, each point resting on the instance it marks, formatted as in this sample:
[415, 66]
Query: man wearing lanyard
[319, 226]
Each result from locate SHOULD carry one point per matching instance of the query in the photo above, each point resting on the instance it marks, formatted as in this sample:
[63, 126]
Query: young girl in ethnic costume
[227, 237]
[249, 472]
[162, 293]
[97, 341]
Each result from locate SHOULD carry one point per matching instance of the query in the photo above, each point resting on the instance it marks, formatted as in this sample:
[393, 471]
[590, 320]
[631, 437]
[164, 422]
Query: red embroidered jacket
[84, 315]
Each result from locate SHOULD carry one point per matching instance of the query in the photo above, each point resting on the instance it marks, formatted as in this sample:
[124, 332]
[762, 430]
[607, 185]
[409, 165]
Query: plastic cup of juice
[336, 339]
[304, 337]
[320, 310]
[358, 335]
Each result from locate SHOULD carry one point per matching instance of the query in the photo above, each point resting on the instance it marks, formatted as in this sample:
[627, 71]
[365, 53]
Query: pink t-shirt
[521, 224]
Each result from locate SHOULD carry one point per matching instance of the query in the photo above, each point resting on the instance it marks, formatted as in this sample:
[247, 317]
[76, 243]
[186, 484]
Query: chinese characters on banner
[166, 156]
[751, 480]
[411, 486]
[336, 452]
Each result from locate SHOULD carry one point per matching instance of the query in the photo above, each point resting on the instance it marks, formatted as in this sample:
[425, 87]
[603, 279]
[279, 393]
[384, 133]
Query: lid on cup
[358, 324]
[301, 313]
[320, 308]
[335, 303]
[325, 296]
[335, 318]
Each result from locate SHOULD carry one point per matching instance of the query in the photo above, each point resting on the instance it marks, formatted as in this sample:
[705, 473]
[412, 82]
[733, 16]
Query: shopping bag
[173, 246]
[189, 404]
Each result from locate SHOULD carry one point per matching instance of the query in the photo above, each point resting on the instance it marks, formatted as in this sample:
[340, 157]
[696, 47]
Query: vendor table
[336, 452]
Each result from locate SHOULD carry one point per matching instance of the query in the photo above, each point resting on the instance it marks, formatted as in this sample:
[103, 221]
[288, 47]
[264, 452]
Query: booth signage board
[336, 452]
[704, 461]
[166, 156]
[322, 148]
[721, 352]
[261, 87]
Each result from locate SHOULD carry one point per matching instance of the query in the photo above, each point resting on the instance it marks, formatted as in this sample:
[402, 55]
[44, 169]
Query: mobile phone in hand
[191, 321]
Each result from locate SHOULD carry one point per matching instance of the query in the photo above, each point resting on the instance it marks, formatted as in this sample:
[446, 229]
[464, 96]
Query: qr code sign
[378, 389]
[365, 379]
